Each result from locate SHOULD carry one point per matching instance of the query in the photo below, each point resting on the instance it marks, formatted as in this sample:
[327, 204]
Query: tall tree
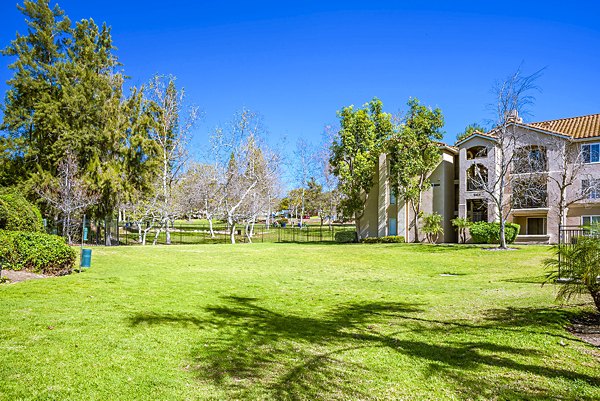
[34, 89]
[171, 130]
[414, 153]
[507, 183]
[355, 152]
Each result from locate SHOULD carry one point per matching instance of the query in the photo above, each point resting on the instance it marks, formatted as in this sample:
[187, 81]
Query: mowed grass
[290, 321]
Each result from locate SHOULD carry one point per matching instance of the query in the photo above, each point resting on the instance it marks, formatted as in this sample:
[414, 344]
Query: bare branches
[68, 194]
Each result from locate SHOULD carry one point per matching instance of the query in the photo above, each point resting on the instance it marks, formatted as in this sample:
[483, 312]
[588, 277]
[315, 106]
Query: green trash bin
[86, 257]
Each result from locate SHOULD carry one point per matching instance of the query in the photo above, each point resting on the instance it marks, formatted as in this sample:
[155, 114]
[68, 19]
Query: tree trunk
[502, 235]
[231, 224]
[106, 232]
[210, 226]
[167, 232]
[596, 297]
[416, 211]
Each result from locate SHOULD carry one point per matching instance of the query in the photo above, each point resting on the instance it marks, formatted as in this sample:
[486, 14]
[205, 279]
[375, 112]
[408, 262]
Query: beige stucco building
[455, 192]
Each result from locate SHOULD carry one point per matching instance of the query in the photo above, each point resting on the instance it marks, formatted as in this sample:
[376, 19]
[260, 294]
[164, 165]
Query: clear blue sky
[298, 62]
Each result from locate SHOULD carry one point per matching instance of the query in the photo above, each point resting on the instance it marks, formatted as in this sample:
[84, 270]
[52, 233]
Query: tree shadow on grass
[257, 352]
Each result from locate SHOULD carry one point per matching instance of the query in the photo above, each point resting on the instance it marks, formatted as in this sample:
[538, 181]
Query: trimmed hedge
[345, 237]
[389, 239]
[17, 214]
[36, 252]
[489, 233]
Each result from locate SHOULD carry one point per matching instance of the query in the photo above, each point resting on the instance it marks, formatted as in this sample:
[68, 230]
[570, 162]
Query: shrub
[17, 214]
[36, 252]
[489, 233]
[345, 237]
[432, 227]
[390, 239]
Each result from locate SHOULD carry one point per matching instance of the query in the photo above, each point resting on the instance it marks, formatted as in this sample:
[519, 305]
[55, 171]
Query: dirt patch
[587, 328]
[17, 276]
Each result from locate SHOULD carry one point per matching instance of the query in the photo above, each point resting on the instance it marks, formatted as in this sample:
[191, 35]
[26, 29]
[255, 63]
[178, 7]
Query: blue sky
[298, 63]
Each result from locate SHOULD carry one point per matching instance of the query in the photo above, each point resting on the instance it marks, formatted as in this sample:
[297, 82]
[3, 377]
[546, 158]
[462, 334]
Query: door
[392, 226]
[536, 226]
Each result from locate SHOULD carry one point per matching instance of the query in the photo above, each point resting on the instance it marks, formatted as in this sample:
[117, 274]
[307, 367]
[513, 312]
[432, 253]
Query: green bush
[389, 239]
[17, 214]
[345, 237]
[489, 233]
[36, 252]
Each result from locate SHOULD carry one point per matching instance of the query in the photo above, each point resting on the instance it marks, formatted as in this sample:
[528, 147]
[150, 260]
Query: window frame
[591, 220]
[592, 195]
[587, 156]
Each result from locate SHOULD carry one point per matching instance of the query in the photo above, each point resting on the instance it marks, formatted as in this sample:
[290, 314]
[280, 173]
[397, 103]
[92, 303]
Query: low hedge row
[345, 237]
[36, 252]
[389, 239]
[489, 233]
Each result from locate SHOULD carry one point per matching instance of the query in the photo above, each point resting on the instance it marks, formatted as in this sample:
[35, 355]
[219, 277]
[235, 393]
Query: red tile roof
[576, 127]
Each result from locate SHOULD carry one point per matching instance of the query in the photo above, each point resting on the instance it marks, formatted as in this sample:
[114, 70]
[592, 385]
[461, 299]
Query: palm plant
[578, 268]
[432, 227]
[461, 224]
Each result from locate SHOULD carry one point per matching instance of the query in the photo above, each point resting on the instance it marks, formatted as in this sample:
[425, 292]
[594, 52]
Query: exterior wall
[527, 137]
[440, 199]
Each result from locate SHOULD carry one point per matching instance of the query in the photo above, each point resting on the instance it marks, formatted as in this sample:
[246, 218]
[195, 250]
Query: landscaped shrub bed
[389, 239]
[17, 214]
[36, 252]
[345, 236]
[489, 233]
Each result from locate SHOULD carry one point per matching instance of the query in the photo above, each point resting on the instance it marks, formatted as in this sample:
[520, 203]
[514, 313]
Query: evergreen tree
[34, 89]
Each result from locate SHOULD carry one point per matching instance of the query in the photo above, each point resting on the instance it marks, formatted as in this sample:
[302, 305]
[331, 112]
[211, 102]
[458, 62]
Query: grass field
[290, 321]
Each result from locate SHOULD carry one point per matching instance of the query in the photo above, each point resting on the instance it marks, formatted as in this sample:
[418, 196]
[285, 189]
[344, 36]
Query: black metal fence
[568, 237]
[114, 232]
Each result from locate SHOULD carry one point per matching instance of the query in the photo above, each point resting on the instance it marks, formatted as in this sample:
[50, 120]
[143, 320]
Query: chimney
[513, 117]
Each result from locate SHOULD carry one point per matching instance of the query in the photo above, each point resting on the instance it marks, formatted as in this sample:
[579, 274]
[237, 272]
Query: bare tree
[69, 195]
[504, 182]
[171, 131]
[569, 160]
[198, 193]
[303, 168]
[144, 212]
[245, 164]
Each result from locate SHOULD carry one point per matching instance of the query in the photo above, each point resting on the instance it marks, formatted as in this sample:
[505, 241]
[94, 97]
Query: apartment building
[457, 180]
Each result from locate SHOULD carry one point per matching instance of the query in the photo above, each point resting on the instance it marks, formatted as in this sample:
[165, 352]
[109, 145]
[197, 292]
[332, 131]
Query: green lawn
[289, 321]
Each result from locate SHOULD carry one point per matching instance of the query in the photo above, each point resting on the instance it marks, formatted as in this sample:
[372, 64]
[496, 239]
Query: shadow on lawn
[260, 353]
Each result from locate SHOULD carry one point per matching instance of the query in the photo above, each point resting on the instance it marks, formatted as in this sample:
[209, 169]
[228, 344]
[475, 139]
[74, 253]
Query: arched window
[476, 152]
[477, 177]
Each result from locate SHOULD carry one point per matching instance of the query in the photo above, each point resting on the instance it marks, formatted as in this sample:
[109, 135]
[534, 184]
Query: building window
[530, 193]
[590, 189]
[591, 153]
[476, 152]
[588, 221]
[530, 159]
[477, 177]
[392, 197]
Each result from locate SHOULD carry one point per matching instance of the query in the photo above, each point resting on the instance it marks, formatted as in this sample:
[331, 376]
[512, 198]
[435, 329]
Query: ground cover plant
[295, 321]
